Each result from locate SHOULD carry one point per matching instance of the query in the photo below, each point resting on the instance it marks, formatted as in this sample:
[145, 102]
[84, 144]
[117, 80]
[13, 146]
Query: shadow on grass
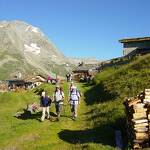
[97, 94]
[38, 91]
[28, 115]
[104, 134]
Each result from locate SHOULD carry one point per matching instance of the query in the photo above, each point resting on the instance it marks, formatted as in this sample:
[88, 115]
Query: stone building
[134, 46]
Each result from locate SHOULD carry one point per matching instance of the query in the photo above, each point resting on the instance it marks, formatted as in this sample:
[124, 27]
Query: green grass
[101, 112]
[31, 134]
[110, 89]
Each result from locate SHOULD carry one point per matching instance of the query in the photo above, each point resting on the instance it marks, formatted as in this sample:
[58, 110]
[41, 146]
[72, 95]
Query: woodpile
[138, 120]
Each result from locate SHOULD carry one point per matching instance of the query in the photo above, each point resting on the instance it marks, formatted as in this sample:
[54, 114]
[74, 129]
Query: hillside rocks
[24, 48]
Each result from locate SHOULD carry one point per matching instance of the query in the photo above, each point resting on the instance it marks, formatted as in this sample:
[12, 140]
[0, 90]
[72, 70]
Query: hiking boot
[73, 118]
[48, 117]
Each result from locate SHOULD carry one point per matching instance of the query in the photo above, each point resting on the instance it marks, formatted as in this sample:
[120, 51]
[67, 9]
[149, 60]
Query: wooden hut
[83, 73]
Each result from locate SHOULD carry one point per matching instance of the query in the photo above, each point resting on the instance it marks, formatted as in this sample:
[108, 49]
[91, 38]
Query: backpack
[74, 94]
[60, 94]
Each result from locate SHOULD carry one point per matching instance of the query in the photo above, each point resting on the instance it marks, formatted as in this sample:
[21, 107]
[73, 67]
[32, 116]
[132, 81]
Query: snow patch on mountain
[35, 29]
[32, 29]
[33, 48]
[54, 56]
[27, 28]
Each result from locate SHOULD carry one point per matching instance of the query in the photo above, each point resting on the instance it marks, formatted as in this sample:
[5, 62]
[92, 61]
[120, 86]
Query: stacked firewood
[138, 119]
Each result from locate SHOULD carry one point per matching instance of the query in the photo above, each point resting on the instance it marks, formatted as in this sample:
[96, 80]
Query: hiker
[49, 79]
[71, 85]
[43, 93]
[74, 96]
[58, 79]
[45, 104]
[58, 98]
[68, 77]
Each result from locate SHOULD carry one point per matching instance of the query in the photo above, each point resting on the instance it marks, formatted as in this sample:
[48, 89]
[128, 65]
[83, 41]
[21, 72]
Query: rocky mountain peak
[24, 46]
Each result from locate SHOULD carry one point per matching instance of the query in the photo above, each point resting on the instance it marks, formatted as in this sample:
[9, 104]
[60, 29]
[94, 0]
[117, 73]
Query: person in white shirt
[74, 97]
[58, 97]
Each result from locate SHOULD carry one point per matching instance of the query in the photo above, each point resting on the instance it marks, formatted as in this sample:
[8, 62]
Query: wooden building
[134, 46]
[83, 73]
[16, 84]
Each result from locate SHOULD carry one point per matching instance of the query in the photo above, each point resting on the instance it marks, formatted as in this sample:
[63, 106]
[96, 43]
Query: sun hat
[57, 86]
[73, 87]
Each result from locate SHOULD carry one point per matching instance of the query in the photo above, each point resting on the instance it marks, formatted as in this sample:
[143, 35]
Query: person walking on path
[45, 104]
[68, 77]
[58, 98]
[74, 97]
[71, 85]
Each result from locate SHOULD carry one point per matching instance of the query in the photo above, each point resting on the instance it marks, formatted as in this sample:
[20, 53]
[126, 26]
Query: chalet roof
[134, 40]
[82, 69]
[16, 81]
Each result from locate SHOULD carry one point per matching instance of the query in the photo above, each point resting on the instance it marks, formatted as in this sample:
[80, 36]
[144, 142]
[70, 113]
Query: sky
[83, 28]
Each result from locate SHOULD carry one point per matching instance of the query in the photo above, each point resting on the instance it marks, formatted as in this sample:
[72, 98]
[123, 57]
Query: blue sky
[83, 28]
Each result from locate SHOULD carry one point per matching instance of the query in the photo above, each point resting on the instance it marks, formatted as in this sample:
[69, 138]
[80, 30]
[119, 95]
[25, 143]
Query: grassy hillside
[109, 90]
[128, 80]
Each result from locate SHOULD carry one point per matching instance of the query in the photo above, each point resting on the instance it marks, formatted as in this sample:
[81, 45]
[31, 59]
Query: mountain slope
[24, 47]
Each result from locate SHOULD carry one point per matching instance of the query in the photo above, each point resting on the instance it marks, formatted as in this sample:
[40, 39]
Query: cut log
[139, 115]
[133, 102]
[137, 146]
[141, 125]
[147, 96]
[141, 136]
[138, 106]
[146, 100]
[147, 90]
[140, 121]
[141, 129]
[141, 110]
[148, 117]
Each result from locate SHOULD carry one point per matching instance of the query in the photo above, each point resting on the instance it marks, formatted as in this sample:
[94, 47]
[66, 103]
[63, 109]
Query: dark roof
[16, 81]
[134, 40]
[82, 69]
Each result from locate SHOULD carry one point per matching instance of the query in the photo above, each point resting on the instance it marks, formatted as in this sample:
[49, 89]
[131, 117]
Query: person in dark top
[45, 104]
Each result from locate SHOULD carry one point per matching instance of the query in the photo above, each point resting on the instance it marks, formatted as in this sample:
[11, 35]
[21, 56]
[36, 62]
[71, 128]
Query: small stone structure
[83, 73]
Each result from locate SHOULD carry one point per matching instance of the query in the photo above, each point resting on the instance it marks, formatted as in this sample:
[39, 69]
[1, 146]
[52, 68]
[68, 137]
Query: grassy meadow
[101, 112]
[30, 133]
